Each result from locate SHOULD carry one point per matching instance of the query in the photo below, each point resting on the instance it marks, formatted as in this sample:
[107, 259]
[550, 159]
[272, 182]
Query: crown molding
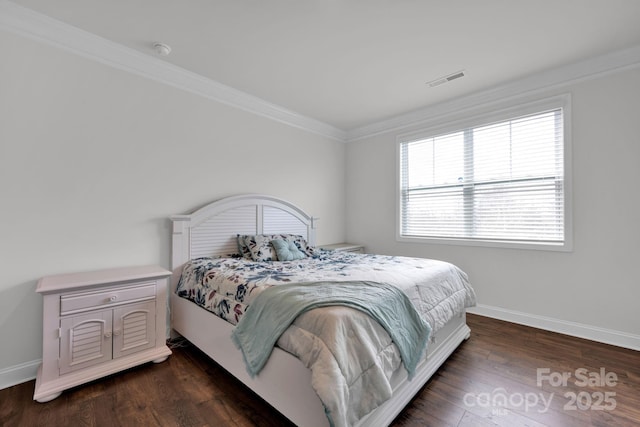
[28, 23]
[557, 78]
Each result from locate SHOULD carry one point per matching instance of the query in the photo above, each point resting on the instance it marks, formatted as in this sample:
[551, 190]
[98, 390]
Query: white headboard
[212, 229]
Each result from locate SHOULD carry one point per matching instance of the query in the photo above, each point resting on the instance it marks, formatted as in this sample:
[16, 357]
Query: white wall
[594, 287]
[94, 160]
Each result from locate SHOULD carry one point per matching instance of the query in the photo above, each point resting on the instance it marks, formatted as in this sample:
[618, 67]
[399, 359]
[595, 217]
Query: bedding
[350, 355]
[287, 251]
[261, 247]
[278, 306]
[226, 285]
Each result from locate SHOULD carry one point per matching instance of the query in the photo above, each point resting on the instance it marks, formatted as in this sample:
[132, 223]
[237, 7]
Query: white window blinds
[497, 182]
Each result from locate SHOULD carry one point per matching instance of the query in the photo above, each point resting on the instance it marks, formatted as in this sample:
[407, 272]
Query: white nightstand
[346, 247]
[99, 323]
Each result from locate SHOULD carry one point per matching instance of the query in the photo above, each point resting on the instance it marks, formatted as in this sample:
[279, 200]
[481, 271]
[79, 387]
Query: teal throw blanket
[275, 308]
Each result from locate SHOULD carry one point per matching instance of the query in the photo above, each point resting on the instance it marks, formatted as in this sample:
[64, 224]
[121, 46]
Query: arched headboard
[212, 229]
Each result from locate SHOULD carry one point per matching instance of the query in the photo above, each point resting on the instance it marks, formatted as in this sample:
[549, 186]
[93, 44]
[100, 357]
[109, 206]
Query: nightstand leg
[48, 398]
[160, 359]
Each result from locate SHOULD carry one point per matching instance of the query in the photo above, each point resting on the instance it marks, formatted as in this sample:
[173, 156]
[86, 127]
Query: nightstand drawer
[72, 303]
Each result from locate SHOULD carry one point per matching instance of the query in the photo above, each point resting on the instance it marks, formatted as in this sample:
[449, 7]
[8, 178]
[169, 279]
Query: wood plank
[499, 360]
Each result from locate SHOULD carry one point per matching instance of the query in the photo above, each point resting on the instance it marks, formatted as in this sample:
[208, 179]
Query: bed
[284, 382]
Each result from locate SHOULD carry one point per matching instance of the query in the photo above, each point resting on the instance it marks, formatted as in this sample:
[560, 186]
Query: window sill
[501, 244]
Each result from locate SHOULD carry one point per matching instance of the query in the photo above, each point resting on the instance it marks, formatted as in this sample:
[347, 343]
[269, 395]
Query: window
[496, 182]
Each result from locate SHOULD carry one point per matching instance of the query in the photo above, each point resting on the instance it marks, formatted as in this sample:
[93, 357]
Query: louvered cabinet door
[85, 340]
[133, 328]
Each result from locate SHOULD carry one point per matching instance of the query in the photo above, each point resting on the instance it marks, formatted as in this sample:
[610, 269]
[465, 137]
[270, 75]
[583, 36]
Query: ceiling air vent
[446, 79]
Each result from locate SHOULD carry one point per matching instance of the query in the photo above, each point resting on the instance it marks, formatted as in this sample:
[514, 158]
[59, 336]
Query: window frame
[508, 112]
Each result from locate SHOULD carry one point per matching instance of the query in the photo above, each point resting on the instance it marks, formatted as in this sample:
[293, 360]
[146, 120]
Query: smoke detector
[162, 49]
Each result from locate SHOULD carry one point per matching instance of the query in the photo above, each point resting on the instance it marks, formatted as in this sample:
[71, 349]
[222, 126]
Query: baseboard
[24, 372]
[18, 374]
[593, 333]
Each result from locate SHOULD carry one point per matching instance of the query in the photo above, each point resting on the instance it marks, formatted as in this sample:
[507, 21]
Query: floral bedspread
[226, 286]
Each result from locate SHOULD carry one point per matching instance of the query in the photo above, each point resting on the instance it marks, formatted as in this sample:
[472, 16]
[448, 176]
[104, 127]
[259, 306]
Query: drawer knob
[112, 298]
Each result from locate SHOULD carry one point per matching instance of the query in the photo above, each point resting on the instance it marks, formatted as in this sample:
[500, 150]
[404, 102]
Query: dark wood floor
[491, 380]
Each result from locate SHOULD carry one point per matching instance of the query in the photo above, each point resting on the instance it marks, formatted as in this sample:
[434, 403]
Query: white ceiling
[352, 63]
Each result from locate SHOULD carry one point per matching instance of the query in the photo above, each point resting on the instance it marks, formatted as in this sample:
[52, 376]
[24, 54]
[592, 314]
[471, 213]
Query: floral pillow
[302, 244]
[243, 248]
[260, 247]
